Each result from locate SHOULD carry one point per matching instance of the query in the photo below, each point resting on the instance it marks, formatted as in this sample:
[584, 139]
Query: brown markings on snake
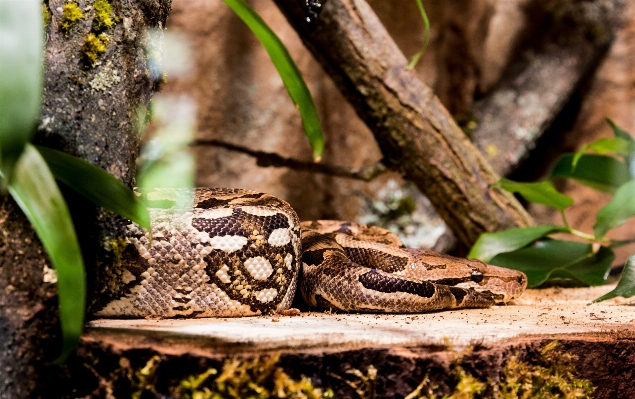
[314, 258]
[459, 294]
[321, 302]
[241, 223]
[235, 263]
[476, 276]
[377, 259]
[492, 297]
[432, 267]
[211, 203]
[378, 282]
[134, 263]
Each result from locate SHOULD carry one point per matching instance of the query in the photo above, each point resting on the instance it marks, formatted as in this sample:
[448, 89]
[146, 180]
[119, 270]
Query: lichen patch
[106, 78]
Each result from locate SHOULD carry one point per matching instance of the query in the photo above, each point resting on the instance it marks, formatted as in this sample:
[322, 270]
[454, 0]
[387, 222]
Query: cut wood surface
[546, 312]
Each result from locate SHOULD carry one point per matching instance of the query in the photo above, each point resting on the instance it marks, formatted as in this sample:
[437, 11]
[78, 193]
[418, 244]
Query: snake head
[500, 284]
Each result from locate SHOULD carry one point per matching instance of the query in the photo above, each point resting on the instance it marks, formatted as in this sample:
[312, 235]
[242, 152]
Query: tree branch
[266, 159]
[416, 134]
[525, 103]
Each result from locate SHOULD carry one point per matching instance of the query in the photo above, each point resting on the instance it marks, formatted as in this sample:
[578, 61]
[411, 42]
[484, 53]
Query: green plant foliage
[549, 258]
[288, 71]
[588, 263]
[97, 185]
[426, 38]
[615, 145]
[20, 77]
[601, 172]
[489, 245]
[165, 160]
[541, 193]
[35, 191]
[626, 286]
[618, 211]
[618, 131]
[71, 15]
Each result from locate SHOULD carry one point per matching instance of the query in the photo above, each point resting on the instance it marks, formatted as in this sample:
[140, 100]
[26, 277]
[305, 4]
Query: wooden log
[417, 136]
[404, 349]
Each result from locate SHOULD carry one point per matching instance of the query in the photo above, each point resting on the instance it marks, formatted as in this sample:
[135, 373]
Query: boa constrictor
[229, 252]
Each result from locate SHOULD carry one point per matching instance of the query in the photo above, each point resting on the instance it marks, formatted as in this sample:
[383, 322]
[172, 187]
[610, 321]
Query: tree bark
[416, 134]
[88, 110]
[573, 40]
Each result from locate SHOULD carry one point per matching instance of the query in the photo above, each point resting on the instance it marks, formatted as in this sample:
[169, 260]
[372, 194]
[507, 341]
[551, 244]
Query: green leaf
[35, 191]
[601, 172]
[626, 286]
[426, 38]
[97, 185]
[615, 145]
[558, 259]
[288, 71]
[541, 193]
[172, 170]
[489, 245]
[21, 39]
[593, 270]
[618, 131]
[617, 211]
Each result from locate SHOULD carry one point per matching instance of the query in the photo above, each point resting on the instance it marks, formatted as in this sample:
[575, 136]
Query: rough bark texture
[416, 134]
[108, 365]
[570, 44]
[87, 111]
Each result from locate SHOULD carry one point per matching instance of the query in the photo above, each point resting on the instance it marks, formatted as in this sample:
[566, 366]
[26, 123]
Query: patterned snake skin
[230, 252]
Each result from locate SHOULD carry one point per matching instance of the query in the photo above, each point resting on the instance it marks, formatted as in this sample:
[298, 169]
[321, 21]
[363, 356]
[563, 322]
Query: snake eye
[476, 276]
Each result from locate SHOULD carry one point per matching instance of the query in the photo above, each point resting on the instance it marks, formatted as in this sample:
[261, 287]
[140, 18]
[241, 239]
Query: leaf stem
[426, 38]
[582, 234]
[586, 236]
[565, 221]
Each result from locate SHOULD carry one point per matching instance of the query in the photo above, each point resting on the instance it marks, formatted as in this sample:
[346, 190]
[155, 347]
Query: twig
[267, 159]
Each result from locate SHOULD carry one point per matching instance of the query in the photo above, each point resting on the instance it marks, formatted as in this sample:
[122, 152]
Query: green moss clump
[103, 16]
[94, 46]
[258, 378]
[46, 16]
[555, 377]
[71, 15]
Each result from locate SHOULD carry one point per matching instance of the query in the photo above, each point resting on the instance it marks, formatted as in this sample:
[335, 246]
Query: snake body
[230, 252]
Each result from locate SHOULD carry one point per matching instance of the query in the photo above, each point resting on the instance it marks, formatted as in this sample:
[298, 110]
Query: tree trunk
[416, 134]
[572, 41]
[89, 110]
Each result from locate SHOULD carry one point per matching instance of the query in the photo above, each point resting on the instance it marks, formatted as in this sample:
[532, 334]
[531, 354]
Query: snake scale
[230, 252]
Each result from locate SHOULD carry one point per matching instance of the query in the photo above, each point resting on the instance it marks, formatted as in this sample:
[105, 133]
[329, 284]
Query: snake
[216, 252]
